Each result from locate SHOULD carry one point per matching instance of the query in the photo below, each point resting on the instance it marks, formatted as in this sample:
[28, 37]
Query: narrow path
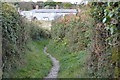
[54, 71]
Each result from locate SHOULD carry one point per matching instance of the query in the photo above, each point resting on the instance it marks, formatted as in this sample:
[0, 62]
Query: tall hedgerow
[105, 54]
[73, 31]
[16, 33]
[14, 37]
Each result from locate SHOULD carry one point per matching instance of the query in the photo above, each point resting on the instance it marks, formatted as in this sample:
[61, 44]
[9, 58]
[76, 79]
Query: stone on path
[54, 71]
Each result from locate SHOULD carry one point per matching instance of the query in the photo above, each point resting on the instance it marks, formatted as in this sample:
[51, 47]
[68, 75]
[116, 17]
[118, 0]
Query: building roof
[54, 11]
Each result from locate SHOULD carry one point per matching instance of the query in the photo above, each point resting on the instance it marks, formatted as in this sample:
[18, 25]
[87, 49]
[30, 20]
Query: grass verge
[37, 64]
[72, 65]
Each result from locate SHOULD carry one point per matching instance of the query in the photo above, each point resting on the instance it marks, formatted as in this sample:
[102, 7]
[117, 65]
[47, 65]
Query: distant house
[47, 14]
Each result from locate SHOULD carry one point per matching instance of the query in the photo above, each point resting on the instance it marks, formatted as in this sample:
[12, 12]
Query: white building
[47, 14]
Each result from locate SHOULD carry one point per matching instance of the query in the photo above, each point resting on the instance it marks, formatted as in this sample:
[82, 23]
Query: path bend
[54, 70]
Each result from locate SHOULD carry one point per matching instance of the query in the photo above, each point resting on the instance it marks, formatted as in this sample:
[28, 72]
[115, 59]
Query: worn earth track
[54, 71]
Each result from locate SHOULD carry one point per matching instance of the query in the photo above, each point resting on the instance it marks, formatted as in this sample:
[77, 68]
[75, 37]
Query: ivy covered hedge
[105, 59]
[14, 37]
[16, 33]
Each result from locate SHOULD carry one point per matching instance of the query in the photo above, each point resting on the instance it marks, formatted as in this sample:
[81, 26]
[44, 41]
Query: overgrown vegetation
[37, 32]
[70, 40]
[105, 54]
[14, 39]
[94, 35]
[36, 63]
[17, 33]
[87, 45]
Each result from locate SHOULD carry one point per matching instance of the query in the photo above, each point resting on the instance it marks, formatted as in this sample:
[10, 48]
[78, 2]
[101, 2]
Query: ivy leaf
[110, 14]
[107, 28]
[104, 20]
[111, 30]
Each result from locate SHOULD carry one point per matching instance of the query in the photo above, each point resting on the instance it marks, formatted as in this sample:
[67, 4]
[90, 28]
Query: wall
[43, 16]
[48, 16]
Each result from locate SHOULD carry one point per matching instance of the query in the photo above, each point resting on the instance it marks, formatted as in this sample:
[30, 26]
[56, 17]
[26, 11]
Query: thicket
[105, 52]
[71, 37]
[13, 37]
[73, 31]
[37, 32]
[97, 30]
[16, 33]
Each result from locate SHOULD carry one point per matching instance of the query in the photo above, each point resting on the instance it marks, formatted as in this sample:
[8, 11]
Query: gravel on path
[54, 71]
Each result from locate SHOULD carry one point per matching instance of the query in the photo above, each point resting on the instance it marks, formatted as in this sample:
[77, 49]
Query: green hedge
[106, 46]
[38, 33]
[71, 38]
[16, 33]
[13, 37]
[73, 31]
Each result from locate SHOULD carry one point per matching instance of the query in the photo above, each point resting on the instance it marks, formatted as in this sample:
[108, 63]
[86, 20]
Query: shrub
[14, 37]
[106, 39]
[73, 31]
[37, 32]
[71, 38]
[16, 33]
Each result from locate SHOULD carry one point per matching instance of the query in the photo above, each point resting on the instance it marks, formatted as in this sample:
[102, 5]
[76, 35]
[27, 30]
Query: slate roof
[54, 11]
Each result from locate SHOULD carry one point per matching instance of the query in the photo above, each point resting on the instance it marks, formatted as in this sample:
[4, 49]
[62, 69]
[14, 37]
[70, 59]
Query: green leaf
[110, 14]
[104, 20]
[107, 28]
[111, 30]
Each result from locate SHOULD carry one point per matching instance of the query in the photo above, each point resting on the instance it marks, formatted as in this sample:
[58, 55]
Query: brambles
[74, 31]
[106, 40]
[101, 39]
[71, 37]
